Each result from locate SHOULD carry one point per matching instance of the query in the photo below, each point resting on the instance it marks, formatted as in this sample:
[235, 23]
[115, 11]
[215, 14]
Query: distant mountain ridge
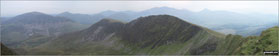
[35, 17]
[216, 20]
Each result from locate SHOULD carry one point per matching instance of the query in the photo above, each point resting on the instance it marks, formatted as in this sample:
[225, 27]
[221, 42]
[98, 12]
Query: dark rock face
[6, 51]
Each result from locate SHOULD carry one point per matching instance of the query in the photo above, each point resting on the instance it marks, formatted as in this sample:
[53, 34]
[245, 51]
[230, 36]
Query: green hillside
[268, 41]
[164, 34]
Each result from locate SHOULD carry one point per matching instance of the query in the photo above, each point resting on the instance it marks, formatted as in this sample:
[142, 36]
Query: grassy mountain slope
[97, 39]
[157, 34]
[161, 33]
[229, 45]
[251, 45]
[268, 41]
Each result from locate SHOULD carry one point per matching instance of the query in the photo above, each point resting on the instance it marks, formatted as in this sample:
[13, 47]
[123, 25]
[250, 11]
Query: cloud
[11, 8]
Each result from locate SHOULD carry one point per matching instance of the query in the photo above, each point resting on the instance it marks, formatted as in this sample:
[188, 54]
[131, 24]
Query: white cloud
[11, 8]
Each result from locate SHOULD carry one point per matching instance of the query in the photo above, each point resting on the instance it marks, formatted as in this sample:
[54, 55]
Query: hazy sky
[12, 8]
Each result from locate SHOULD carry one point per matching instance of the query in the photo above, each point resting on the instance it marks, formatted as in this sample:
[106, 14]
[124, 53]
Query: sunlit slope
[251, 45]
[268, 41]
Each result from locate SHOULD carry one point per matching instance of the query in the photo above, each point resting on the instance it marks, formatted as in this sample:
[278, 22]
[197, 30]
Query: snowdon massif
[153, 35]
[39, 33]
[157, 34]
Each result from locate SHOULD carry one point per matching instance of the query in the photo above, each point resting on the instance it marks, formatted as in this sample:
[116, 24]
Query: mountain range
[222, 21]
[155, 35]
[156, 31]
[110, 36]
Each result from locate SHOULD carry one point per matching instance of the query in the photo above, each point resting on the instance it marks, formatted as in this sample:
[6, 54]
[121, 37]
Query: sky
[13, 8]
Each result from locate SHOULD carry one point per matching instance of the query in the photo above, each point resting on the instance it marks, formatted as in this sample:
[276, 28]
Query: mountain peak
[157, 18]
[66, 12]
[36, 18]
[205, 10]
[34, 13]
[144, 31]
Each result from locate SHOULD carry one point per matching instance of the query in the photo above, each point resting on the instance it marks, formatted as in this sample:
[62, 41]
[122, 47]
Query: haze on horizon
[12, 8]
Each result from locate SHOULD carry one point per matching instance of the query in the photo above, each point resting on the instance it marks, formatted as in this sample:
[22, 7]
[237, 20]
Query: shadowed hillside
[136, 37]
[6, 51]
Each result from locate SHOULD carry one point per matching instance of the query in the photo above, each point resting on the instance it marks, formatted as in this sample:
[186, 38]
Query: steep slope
[33, 28]
[230, 45]
[6, 51]
[164, 34]
[157, 34]
[97, 39]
